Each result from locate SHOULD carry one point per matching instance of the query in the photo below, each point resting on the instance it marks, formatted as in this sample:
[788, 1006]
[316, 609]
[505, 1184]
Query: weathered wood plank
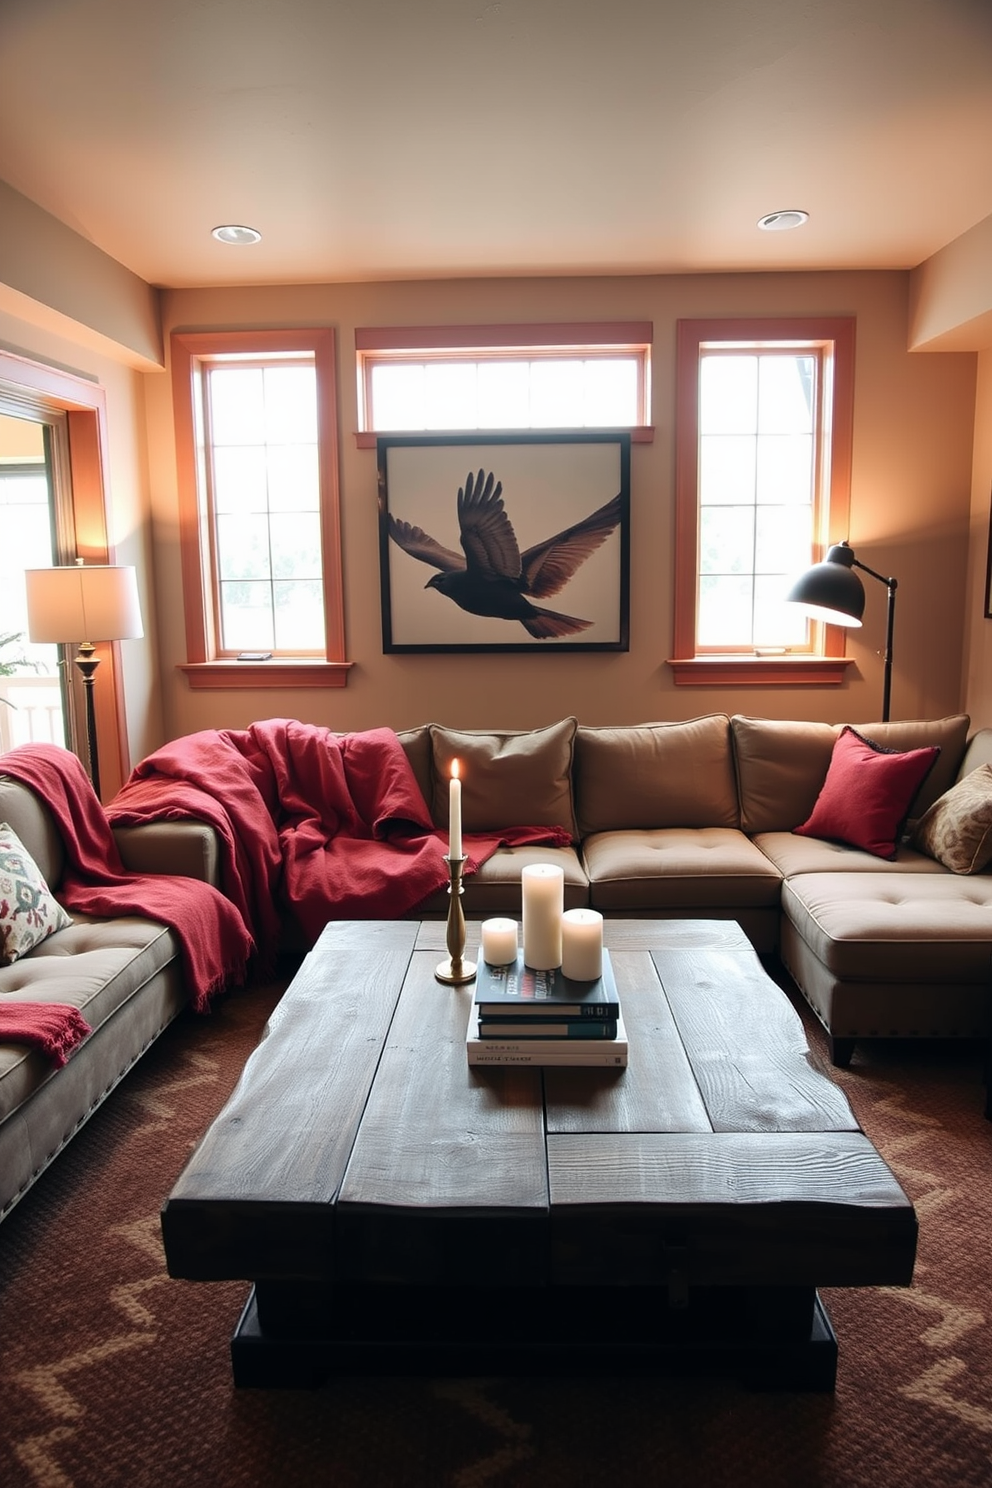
[261, 1185]
[780, 1209]
[747, 1045]
[448, 1172]
[619, 934]
[734, 1169]
[436, 1133]
[656, 1092]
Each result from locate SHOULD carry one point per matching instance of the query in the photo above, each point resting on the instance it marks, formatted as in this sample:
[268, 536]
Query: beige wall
[909, 514]
[978, 655]
[913, 502]
[127, 484]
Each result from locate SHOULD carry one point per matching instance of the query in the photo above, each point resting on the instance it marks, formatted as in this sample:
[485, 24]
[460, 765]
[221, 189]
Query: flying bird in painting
[491, 576]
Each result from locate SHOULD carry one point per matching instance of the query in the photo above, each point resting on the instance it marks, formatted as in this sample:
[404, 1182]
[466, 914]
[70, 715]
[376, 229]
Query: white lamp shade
[95, 602]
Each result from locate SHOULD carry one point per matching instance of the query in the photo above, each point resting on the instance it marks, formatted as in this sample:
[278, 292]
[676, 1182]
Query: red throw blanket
[215, 941]
[328, 826]
[56, 1028]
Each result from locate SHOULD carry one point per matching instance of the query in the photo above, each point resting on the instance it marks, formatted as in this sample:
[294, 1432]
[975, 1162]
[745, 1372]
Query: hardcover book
[609, 1053]
[518, 991]
[545, 1028]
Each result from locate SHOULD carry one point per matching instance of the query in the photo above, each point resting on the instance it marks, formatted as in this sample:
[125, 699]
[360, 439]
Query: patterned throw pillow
[28, 913]
[957, 830]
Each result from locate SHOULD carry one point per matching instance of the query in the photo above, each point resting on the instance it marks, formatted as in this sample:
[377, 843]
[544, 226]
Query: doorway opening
[33, 703]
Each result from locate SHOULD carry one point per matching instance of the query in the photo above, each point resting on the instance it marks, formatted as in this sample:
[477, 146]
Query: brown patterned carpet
[113, 1374]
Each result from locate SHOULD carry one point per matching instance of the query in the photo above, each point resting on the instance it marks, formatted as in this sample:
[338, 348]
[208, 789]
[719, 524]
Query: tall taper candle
[455, 813]
[543, 887]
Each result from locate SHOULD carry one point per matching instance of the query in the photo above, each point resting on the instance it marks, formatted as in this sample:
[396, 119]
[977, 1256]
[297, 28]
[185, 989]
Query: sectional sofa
[704, 819]
[699, 819]
[714, 817]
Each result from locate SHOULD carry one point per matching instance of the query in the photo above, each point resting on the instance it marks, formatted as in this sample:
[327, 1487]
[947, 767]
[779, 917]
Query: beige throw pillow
[957, 829]
[509, 779]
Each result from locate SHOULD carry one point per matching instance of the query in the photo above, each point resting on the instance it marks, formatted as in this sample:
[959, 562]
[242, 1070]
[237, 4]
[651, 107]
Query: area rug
[116, 1376]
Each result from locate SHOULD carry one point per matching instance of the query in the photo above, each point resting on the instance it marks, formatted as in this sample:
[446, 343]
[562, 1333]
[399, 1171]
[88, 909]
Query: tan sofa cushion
[957, 829]
[96, 966]
[949, 734]
[792, 854]
[509, 779]
[655, 775]
[416, 744]
[782, 763]
[894, 927]
[31, 819]
[692, 868]
[495, 888]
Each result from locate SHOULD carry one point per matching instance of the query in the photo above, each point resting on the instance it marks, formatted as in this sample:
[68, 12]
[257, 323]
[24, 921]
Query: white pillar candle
[455, 813]
[582, 944]
[499, 942]
[543, 888]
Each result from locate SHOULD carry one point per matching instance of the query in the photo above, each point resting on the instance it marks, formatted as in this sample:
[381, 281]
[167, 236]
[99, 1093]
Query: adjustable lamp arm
[833, 593]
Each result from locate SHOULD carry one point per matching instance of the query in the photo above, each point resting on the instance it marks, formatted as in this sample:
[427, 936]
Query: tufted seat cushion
[678, 867]
[894, 927]
[96, 966]
[792, 854]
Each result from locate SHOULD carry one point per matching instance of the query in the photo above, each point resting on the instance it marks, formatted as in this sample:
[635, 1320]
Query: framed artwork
[988, 571]
[504, 542]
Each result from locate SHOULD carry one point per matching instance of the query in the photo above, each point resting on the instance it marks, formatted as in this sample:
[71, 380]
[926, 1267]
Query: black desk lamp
[832, 591]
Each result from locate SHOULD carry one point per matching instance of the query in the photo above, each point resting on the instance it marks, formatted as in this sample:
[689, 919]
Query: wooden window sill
[366, 438]
[222, 676]
[760, 671]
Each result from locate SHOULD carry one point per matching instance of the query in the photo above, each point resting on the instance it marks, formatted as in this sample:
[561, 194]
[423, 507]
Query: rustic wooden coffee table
[398, 1210]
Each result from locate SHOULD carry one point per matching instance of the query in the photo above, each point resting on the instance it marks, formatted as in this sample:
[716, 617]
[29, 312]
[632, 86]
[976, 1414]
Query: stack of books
[523, 1016]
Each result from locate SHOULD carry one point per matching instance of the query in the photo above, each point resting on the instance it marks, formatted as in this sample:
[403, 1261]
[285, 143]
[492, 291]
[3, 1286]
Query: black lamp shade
[831, 590]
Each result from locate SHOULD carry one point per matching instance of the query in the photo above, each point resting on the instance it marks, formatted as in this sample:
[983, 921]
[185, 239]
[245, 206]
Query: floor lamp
[98, 601]
[832, 591]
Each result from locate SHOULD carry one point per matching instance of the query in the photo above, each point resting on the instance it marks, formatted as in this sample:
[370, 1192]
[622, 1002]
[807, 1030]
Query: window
[259, 508]
[503, 377]
[763, 453]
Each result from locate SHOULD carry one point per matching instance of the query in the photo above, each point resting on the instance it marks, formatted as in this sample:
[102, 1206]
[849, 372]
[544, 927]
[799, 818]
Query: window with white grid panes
[263, 496]
[758, 495]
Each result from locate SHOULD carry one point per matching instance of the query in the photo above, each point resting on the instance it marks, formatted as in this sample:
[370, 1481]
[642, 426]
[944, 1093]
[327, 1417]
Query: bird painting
[491, 576]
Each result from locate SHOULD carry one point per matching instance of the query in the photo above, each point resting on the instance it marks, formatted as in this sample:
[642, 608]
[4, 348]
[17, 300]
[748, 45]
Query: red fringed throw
[56, 1028]
[215, 941]
[327, 826]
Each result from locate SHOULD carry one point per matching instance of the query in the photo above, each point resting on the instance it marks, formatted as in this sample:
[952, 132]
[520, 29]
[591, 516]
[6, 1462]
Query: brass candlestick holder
[455, 970]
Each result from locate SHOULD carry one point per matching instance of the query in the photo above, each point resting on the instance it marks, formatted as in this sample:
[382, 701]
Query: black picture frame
[988, 570]
[550, 482]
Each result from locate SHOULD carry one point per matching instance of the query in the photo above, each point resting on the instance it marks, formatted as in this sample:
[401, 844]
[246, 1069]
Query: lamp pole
[891, 587]
[87, 661]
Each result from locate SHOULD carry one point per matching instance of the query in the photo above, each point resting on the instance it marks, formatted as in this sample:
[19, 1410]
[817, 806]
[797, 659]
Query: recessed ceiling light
[782, 221]
[231, 233]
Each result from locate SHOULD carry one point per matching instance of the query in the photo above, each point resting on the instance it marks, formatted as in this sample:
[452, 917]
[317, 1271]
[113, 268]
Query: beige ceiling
[372, 139]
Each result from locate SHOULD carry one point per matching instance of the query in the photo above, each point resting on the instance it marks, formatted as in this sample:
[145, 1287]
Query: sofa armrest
[187, 848]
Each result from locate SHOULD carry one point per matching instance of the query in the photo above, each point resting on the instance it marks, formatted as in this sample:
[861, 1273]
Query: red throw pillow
[867, 793]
